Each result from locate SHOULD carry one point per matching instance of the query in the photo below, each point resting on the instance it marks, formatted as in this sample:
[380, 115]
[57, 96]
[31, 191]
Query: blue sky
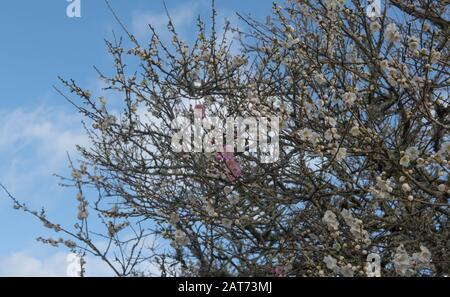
[38, 127]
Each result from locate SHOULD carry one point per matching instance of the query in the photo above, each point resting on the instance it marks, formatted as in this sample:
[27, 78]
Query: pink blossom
[199, 111]
[279, 271]
[232, 167]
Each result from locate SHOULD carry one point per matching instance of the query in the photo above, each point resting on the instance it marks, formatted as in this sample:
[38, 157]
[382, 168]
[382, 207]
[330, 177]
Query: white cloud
[22, 264]
[34, 144]
[25, 264]
[55, 132]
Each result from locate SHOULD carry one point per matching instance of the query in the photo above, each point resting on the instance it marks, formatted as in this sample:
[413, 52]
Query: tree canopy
[362, 172]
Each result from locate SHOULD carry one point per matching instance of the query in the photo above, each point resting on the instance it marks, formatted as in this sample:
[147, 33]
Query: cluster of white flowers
[442, 188]
[82, 207]
[340, 153]
[330, 220]
[227, 223]
[180, 238]
[76, 174]
[113, 229]
[290, 42]
[444, 150]
[406, 265]
[375, 26]
[174, 218]
[331, 121]
[204, 56]
[47, 223]
[227, 190]
[209, 208]
[384, 64]
[411, 154]
[307, 134]
[51, 241]
[435, 56]
[107, 122]
[413, 43]
[356, 226]
[113, 212]
[391, 33]
[349, 98]
[383, 188]
[406, 188]
[239, 61]
[354, 131]
[70, 244]
[331, 134]
[332, 264]
[197, 84]
[393, 75]
[184, 49]
[234, 199]
[320, 78]
[334, 4]
[102, 101]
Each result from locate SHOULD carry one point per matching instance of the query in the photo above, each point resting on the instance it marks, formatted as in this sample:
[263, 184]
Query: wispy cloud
[52, 132]
[34, 144]
[23, 264]
[26, 264]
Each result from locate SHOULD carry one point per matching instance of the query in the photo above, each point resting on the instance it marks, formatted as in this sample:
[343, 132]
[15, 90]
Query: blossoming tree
[364, 147]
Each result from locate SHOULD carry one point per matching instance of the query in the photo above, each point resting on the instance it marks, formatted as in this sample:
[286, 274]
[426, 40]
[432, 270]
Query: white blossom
[356, 226]
[384, 64]
[115, 228]
[406, 187]
[413, 43]
[70, 244]
[354, 131]
[406, 265]
[180, 238]
[391, 33]
[435, 56]
[82, 211]
[331, 121]
[442, 188]
[227, 223]
[227, 190]
[423, 258]
[210, 210]
[412, 152]
[402, 262]
[444, 149]
[330, 219]
[307, 134]
[174, 218]
[341, 154]
[332, 4]
[349, 98]
[404, 161]
[331, 263]
[328, 135]
[320, 79]
[347, 271]
[375, 26]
